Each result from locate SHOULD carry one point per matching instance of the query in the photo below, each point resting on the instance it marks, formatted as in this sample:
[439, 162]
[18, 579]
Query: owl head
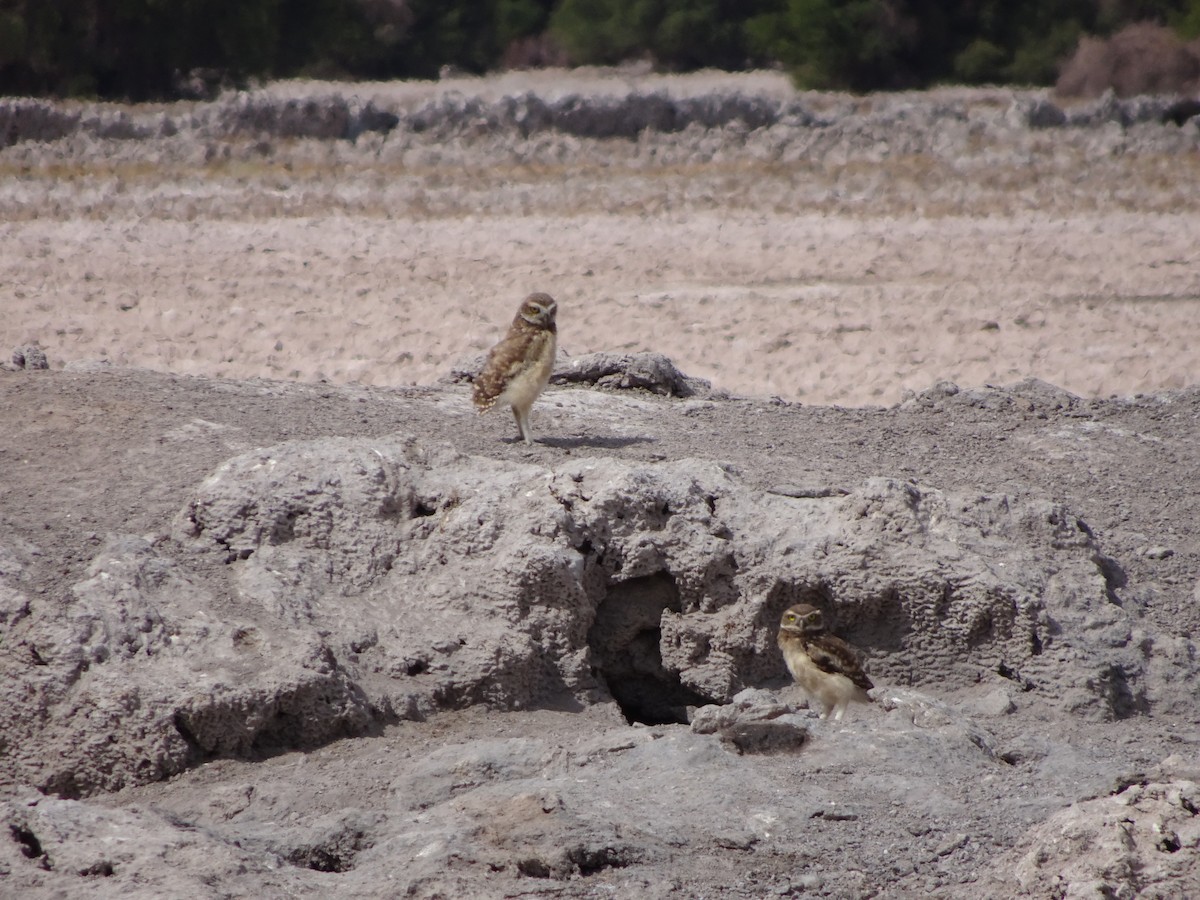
[539, 311]
[802, 619]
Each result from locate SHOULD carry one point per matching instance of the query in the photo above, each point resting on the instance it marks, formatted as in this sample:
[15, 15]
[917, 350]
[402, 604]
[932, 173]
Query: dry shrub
[534, 52]
[1139, 59]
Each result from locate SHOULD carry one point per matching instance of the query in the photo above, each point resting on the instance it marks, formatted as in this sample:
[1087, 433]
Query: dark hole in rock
[625, 643]
[184, 729]
[533, 868]
[982, 632]
[590, 860]
[1006, 671]
[424, 508]
[31, 847]
[1123, 701]
[284, 529]
[324, 859]
[1114, 576]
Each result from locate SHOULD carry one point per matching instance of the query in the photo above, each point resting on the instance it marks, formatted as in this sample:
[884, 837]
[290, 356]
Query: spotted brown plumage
[826, 667]
[519, 366]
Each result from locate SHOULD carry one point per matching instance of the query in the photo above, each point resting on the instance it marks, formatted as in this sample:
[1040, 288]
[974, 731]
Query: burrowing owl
[826, 667]
[518, 368]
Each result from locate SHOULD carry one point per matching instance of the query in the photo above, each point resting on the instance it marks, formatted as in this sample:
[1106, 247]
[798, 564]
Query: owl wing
[833, 655]
[507, 360]
[519, 352]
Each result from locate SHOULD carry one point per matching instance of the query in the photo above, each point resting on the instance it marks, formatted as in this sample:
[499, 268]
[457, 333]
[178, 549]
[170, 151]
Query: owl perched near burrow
[518, 368]
[826, 667]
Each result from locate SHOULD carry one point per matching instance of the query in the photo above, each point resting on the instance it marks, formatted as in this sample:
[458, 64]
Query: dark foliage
[144, 49]
[873, 44]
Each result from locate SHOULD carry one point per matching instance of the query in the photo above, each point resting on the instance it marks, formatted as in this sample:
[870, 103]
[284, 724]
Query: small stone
[949, 846]
[735, 840]
[809, 881]
[807, 492]
[30, 358]
[995, 703]
[903, 866]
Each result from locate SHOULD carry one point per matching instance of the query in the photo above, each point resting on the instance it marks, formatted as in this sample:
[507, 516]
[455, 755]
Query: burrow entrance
[625, 642]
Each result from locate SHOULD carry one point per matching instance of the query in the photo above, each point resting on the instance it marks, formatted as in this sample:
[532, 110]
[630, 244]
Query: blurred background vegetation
[159, 49]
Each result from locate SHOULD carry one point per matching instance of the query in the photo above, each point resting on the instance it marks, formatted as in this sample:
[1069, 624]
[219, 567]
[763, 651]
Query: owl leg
[522, 417]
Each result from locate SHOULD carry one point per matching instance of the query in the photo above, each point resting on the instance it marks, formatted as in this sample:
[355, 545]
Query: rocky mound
[370, 581]
[345, 662]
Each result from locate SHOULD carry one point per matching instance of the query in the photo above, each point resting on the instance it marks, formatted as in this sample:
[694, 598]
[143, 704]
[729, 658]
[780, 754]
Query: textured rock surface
[646, 371]
[503, 584]
[138, 675]
[451, 665]
[1142, 840]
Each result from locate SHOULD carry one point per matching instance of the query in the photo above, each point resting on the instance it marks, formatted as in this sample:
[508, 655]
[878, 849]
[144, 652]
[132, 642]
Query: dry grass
[1053, 171]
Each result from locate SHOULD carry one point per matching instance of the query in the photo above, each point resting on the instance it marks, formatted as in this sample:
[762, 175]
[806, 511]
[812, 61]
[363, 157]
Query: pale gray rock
[925, 712]
[138, 678]
[375, 580]
[754, 721]
[380, 666]
[1141, 841]
[623, 371]
[994, 703]
[56, 847]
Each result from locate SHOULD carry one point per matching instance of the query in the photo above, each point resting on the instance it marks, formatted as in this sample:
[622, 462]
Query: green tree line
[145, 49]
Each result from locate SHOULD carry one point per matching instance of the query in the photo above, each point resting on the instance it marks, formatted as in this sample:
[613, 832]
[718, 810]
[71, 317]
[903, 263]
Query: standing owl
[518, 368]
[826, 667]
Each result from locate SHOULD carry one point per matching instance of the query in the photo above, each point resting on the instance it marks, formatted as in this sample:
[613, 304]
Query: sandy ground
[370, 269]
